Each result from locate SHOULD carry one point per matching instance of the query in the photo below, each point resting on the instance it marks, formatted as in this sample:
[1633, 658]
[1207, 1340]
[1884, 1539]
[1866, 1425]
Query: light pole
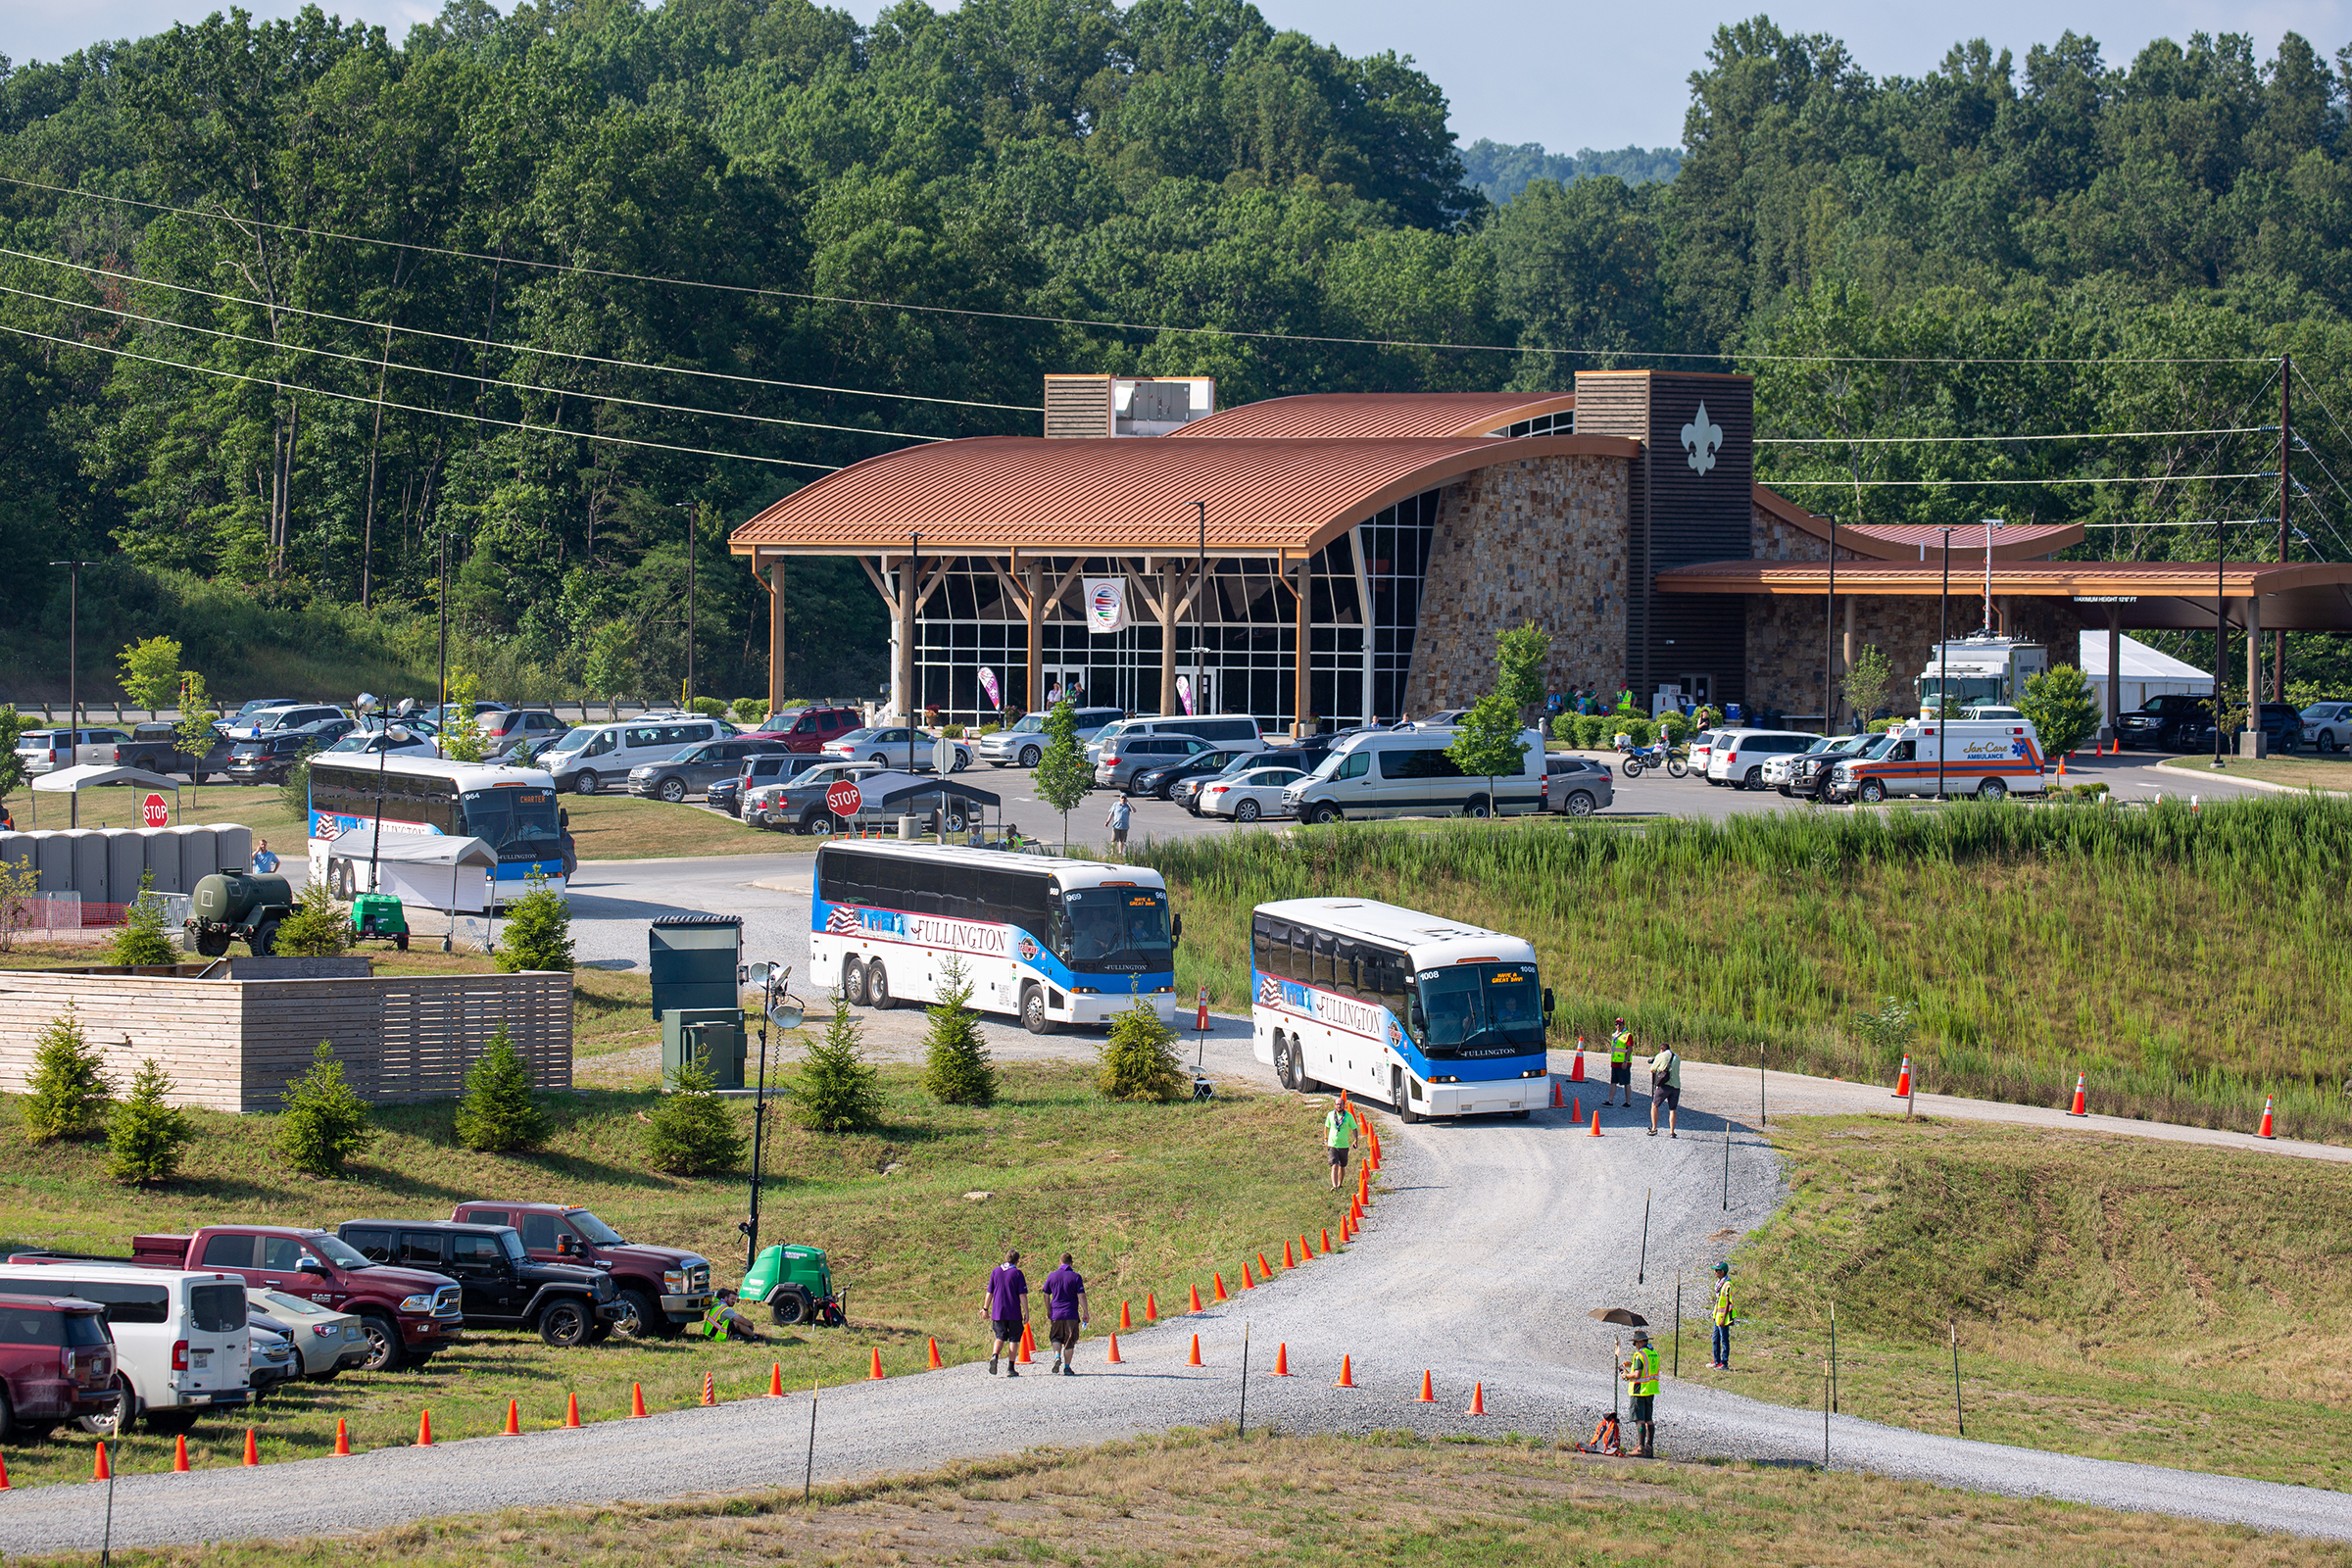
[1829, 658]
[1943, 664]
[2221, 635]
[441, 712]
[1200, 606]
[1990, 524]
[910, 656]
[74, 658]
[777, 1006]
[394, 734]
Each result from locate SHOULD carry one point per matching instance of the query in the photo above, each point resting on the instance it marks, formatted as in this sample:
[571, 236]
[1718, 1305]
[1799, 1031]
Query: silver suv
[1023, 745]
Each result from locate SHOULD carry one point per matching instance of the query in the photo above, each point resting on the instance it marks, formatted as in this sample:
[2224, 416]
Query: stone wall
[1771, 539]
[1541, 539]
[1785, 639]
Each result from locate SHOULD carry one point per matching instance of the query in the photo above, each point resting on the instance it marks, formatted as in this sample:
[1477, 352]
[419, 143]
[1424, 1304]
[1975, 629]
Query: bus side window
[1344, 970]
[1300, 963]
[1261, 931]
[1325, 946]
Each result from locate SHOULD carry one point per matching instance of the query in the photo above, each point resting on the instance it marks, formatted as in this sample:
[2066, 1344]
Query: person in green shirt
[1665, 1083]
[1641, 1373]
[1338, 1132]
[1621, 1065]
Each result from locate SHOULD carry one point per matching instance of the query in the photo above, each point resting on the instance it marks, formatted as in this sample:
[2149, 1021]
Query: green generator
[379, 916]
[797, 1285]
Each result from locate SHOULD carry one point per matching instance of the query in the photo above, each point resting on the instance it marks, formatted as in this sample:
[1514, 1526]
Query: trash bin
[694, 961]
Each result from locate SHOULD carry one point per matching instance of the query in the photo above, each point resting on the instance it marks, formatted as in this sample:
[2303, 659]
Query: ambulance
[1990, 758]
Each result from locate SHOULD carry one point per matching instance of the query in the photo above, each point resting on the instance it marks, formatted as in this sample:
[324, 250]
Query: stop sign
[154, 812]
[842, 799]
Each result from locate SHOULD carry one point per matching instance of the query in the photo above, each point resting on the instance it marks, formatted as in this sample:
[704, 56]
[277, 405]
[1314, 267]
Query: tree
[143, 937]
[1062, 775]
[325, 1122]
[12, 766]
[538, 934]
[692, 1132]
[1867, 683]
[498, 1114]
[18, 882]
[1487, 742]
[68, 1092]
[2059, 704]
[837, 1089]
[957, 1069]
[194, 733]
[151, 673]
[319, 928]
[295, 792]
[1139, 1060]
[1520, 655]
[146, 1135]
[461, 731]
[610, 671]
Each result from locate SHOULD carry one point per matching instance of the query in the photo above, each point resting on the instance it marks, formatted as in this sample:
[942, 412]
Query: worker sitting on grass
[724, 1322]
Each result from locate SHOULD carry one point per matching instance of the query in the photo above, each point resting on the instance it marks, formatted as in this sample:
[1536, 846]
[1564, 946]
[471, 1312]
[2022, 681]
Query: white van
[1738, 757]
[1227, 732]
[181, 1341]
[1990, 758]
[587, 758]
[1410, 773]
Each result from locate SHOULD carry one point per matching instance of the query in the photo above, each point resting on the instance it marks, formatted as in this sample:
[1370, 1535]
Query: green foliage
[150, 672]
[319, 928]
[1062, 776]
[691, 1132]
[498, 1114]
[68, 1090]
[462, 739]
[957, 1069]
[1488, 742]
[194, 733]
[837, 1089]
[538, 931]
[295, 792]
[1519, 659]
[710, 707]
[143, 937]
[12, 766]
[749, 710]
[2059, 704]
[18, 882]
[1868, 682]
[1888, 1030]
[612, 668]
[1139, 1060]
[147, 1136]
[325, 1123]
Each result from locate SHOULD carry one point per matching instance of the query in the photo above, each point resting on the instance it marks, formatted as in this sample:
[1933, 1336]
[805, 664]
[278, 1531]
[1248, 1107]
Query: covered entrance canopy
[2144, 595]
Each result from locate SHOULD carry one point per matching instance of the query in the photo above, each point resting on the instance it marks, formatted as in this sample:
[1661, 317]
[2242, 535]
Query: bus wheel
[1033, 1011]
[877, 987]
[852, 982]
[1285, 1064]
[1992, 789]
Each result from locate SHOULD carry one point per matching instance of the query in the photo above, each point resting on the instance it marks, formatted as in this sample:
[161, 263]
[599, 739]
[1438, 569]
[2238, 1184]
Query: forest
[299, 321]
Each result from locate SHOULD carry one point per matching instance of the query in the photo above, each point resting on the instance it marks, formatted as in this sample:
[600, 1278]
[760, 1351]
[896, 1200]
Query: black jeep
[502, 1287]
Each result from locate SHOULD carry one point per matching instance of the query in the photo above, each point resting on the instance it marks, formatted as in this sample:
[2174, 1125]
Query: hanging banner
[987, 684]
[1184, 694]
[1105, 605]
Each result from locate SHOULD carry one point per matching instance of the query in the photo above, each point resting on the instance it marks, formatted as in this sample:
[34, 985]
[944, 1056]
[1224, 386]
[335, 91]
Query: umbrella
[1623, 1315]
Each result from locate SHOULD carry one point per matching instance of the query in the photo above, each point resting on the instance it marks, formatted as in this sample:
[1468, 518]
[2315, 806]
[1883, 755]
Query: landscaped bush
[325, 1122]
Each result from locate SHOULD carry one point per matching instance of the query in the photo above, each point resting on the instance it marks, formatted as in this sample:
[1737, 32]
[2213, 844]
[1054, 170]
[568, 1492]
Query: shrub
[956, 1070]
[709, 707]
[749, 710]
[498, 1114]
[953, 732]
[144, 938]
[319, 928]
[692, 1132]
[1139, 1060]
[295, 792]
[325, 1122]
[538, 934]
[68, 1088]
[837, 1091]
[145, 1136]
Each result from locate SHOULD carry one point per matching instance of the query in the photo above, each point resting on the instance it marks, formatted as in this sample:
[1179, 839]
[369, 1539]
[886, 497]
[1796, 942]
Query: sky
[1567, 75]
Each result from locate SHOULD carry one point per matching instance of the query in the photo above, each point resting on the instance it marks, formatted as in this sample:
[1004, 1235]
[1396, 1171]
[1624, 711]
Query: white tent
[434, 870]
[2146, 672]
[90, 775]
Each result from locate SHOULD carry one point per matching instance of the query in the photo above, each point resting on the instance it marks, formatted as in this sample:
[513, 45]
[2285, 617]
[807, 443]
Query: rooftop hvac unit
[1084, 407]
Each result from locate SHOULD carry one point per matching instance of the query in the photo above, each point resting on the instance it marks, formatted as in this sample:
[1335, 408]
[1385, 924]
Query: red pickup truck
[408, 1313]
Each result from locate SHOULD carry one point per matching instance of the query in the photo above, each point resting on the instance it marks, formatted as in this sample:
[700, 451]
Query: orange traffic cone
[931, 1360]
[571, 1411]
[425, 1428]
[1194, 1360]
[2082, 1083]
[1347, 1374]
[1902, 1084]
[1196, 1290]
[2267, 1107]
[1151, 1308]
[1289, 1259]
[1427, 1396]
[1478, 1401]
[1327, 1240]
[1029, 1343]
[3, 1472]
[1114, 1358]
[343, 1440]
[1263, 1272]
[1597, 1122]
[710, 1391]
[775, 1374]
[1282, 1360]
[636, 1402]
[1306, 1254]
[874, 1370]
[1247, 1284]
[179, 1455]
[100, 1470]
[514, 1419]
[1576, 1111]
[1126, 1323]
[1217, 1277]
[1558, 1099]
[1575, 1073]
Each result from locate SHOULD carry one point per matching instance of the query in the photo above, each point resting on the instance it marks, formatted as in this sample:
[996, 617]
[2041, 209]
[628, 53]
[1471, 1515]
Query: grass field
[2115, 1298]
[2303, 772]
[1389, 1501]
[1150, 1197]
[2188, 962]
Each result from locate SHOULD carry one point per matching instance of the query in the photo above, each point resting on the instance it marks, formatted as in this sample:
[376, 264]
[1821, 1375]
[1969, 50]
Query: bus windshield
[1480, 1010]
[1116, 928]
[519, 823]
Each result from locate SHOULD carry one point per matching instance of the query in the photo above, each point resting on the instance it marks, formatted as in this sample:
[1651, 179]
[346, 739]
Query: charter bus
[1434, 1017]
[511, 810]
[1048, 939]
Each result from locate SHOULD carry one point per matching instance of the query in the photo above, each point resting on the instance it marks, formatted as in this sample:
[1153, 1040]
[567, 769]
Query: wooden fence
[234, 1045]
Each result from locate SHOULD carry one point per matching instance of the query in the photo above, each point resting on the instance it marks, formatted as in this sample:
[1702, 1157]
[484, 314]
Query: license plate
[202, 1358]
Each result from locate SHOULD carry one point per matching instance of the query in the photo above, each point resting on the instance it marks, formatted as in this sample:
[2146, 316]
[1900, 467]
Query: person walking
[1005, 1306]
[1338, 1133]
[1120, 813]
[1641, 1373]
[1720, 1310]
[1665, 1083]
[1065, 1313]
[263, 860]
[1621, 1065]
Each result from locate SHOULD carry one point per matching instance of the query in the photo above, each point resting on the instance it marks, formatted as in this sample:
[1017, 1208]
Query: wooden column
[1034, 700]
[2253, 745]
[776, 634]
[2115, 673]
[1168, 577]
[910, 705]
[1301, 699]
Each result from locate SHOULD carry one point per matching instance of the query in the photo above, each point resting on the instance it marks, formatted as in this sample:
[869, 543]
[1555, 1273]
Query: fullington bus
[511, 810]
[1434, 1017]
[1049, 941]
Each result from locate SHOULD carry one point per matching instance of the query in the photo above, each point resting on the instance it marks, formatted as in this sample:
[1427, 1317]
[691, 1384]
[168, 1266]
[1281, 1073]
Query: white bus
[1048, 939]
[1434, 1017]
[511, 810]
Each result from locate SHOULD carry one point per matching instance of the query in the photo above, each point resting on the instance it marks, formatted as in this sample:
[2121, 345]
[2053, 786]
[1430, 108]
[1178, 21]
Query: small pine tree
[145, 1136]
[538, 934]
[498, 1114]
[692, 1132]
[325, 1122]
[319, 928]
[837, 1091]
[956, 1070]
[1062, 776]
[144, 938]
[1139, 1060]
[68, 1088]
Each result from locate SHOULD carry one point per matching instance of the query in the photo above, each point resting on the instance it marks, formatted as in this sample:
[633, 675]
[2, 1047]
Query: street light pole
[694, 516]
[2221, 636]
[1944, 665]
[1200, 606]
[74, 658]
[911, 654]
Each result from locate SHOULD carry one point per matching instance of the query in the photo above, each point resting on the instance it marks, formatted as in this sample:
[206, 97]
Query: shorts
[1063, 1330]
[1338, 1159]
[1637, 1408]
[1666, 1092]
[1008, 1330]
[1621, 1072]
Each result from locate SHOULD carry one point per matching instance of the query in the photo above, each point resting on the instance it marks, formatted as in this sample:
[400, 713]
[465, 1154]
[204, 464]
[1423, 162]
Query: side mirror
[567, 1246]
[563, 818]
[310, 1265]
[1547, 1001]
[1176, 928]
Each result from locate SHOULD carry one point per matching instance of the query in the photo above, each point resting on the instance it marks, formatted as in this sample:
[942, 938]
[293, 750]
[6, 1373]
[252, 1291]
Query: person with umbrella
[1640, 1374]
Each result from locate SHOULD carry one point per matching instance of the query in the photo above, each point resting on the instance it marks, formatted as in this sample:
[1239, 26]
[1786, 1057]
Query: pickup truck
[659, 1290]
[409, 1314]
[503, 1286]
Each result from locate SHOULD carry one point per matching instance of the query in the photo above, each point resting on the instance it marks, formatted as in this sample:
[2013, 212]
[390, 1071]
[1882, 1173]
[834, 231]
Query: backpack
[1605, 1436]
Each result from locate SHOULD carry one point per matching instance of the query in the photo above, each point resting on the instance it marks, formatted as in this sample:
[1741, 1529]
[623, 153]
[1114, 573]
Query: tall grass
[2190, 962]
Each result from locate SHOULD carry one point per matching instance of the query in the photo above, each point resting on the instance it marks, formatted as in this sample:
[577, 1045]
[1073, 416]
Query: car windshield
[598, 1233]
[275, 1301]
[335, 1251]
[1029, 724]
[512, 1243]
[1117, 928]
[1480, 1010]
[571, 740]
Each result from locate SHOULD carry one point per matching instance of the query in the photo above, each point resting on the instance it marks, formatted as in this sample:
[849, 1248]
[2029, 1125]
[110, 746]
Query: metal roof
[2031, 541]
[1106, 497]
[2296, 596]
[1380, 415]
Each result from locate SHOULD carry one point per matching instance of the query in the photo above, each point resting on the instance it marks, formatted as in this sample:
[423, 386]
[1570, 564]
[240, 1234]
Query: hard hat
[1640, 1336]
[1723, 1268]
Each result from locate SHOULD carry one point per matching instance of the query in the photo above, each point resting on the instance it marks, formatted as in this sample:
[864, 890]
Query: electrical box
[718, 1031]
[694, 960]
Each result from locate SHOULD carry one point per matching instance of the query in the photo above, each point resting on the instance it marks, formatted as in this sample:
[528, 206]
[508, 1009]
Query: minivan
[586, 758]
[1129, 754]
[1023, 744]
[1227, 732]
[1737, 755]
[1411, 774]
[181, 1341]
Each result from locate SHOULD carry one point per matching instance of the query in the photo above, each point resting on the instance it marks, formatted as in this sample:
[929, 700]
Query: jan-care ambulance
[1990, 758]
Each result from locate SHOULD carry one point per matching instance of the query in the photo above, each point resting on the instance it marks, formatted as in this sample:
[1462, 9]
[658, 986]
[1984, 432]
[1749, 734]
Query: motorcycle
[1659, 755]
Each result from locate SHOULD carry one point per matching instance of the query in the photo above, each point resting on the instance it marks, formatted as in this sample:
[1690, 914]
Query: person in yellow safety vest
[1621, 1065]
[1721, 1311]
[1641, 1373]
[1339, 1131]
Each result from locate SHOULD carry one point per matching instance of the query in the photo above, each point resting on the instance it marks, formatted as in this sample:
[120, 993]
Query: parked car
[1577, 785]
[271, 759]
[2283, 726]
[1230, 732]
[44, 751]
[1187, 792]
[1443, 719]
[1246, 796]
[2327, 726]
[325, 1342]
[1129, 754]
[807, 729]
[57, 1362]
[587, 756]
[181, 1343]
[510, 727]
[693, 770]
[270, 1356]
[1738, 756]
[284, 720]
[1022, 743]
[660, 1289]
[259, 705]
[1161, 780]
[1805, 775]
[502, 1285]
[2173, 722]
[449, 713]
[798, 803]
[889, 747]
[156, 748]
[760, 768]
[408, 1314]
[1702, 751]
[381, 743]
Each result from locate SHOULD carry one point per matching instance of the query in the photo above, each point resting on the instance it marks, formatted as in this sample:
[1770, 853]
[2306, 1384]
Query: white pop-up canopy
[436, 871]
[90, 775]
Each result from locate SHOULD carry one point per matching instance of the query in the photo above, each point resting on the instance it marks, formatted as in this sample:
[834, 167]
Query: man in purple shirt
[1065, 1313]
[1005, 1306]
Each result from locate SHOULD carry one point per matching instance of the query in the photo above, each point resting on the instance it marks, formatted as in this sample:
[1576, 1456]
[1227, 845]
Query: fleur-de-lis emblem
[1703, 440]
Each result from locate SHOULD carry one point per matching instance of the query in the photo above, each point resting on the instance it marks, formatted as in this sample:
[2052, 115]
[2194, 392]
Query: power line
[1932, 440]
[511, 348]
[2151, 478]
[408, 408]
[1113, 325]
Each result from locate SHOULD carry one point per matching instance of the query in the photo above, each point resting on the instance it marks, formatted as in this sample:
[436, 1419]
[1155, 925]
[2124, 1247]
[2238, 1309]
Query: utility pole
[1829, 656]
[1944, 665]
[73, 655]
[2220, 639]
[2286, 436]
[1200, 605]
[694, 516]
[441, 712]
